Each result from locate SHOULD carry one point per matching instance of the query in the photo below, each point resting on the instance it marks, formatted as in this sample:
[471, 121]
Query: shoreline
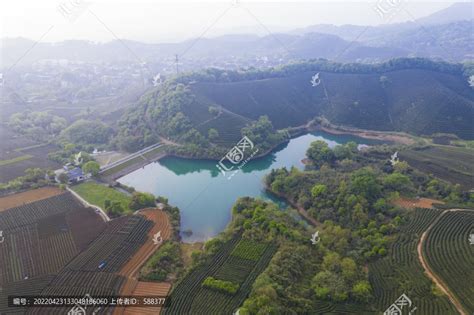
[333, 130]
[368, 134]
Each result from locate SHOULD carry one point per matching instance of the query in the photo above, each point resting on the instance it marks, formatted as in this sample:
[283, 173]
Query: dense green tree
[362, 291]
[142, 200]
[91, 167]
[212, 134]
[87, 132]
[319, 153]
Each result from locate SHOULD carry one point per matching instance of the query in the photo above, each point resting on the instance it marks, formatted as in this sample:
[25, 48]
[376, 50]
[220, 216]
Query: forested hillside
[411, 95]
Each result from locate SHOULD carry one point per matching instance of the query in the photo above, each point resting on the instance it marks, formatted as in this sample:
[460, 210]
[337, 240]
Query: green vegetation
[401, 271]
[91, 167]
[448, 253]
[142, 200]
[87, 132]
[101, 196]
[247, 249]
[348, 193]
[15, 160]
[211, 114]
[40, 126]
[218, 282]
[220, 285]
[33, 178]
[165, 263]
[438, 160]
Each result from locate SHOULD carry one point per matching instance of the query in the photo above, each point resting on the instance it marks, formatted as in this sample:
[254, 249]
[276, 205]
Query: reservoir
[205, 196]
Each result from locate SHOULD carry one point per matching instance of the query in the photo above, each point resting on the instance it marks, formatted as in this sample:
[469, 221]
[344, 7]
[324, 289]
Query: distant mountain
[445, 35]
[461, 11]
[411, 95]
[234, 50]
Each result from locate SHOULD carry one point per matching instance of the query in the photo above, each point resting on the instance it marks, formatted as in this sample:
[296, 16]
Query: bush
[91, 167]
[142, 200]
[220, 285]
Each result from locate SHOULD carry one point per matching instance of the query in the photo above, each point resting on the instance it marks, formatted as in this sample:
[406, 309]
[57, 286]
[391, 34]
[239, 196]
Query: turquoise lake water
[205, 196]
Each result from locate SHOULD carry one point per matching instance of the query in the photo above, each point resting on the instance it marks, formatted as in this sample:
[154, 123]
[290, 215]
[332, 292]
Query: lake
[205, 197]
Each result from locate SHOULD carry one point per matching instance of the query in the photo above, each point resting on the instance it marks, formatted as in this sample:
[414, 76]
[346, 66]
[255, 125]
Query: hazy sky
[158, 21]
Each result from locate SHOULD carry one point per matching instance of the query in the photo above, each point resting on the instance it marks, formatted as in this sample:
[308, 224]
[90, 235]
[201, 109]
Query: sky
[172, 21]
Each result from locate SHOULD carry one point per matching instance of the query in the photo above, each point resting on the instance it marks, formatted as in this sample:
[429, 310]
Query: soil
[155, 289]
[29, 196]
[416, 203]
[369, 134]
[131, 269]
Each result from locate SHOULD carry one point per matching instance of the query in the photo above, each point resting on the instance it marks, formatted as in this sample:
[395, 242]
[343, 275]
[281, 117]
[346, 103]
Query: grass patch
[96, 194]
[15, 160]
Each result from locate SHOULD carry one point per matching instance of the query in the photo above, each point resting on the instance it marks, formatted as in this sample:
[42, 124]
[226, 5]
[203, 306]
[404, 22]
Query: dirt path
[439, 283]
[130, 270]
[416, 203]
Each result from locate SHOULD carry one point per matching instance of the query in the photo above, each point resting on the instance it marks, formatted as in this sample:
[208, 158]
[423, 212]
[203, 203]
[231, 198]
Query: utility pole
[177, 63]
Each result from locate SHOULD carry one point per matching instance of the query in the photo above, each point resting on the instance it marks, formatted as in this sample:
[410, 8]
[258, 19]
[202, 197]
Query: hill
[411, 95]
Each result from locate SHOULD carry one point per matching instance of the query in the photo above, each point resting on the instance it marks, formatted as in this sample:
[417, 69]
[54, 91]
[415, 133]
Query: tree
[361, 291]
[91, 167]
[214, 111]
[332, 262]
[63, 179]
[319, 152]
[318, 190]
[142, 200]
[398, 182]
[349, 269]
[328, 285]
[87, 132]
[345, 151]
[212, 134]
[364, 182]
[114, 208]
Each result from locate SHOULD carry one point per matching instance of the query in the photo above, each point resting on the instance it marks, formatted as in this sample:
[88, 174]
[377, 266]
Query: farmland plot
[190, 296]
[450, 255]
[401, 272]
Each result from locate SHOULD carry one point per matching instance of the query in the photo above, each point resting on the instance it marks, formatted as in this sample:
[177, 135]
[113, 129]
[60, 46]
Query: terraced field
[228, 126]
[190, 297]
[29, 196]
[450, 255]
[39, 240]
[96, 270]
[18, 152]
[438, 160]
[130, 269]
[401, 272]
